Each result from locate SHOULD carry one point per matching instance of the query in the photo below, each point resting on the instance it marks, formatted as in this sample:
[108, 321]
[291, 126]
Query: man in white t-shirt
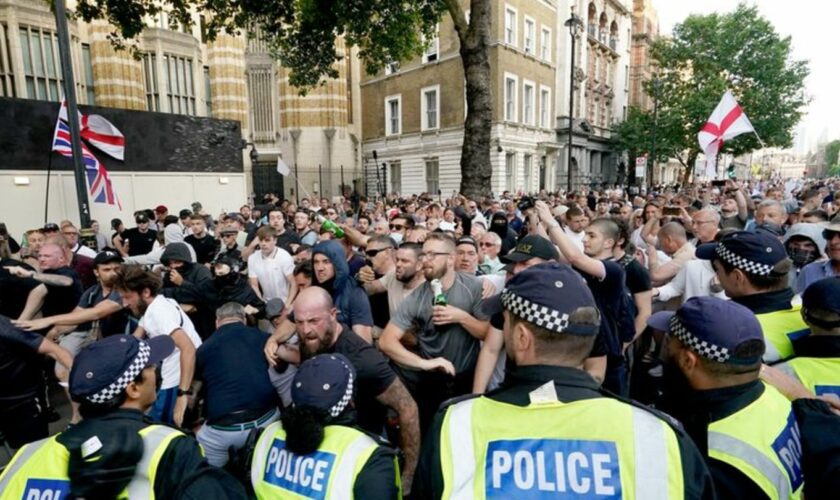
[162, 316]
[271, 270]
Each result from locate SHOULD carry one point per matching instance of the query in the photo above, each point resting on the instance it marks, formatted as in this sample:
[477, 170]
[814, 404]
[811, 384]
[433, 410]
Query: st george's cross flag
[99, 133]
[727, 121]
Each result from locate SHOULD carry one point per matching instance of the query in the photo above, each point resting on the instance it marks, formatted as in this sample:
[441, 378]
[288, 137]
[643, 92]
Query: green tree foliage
[707, 55]
[832, 157]
[302, 35]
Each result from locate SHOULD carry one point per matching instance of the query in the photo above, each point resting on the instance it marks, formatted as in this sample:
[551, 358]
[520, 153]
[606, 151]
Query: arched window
[602, 28]
[614, 35]
[592, 21]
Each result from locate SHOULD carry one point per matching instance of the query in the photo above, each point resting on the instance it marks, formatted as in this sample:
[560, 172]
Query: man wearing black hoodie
[189, 284]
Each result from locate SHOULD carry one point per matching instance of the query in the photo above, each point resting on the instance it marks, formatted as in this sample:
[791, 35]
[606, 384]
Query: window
[391, 68]
[432, 176]
[150, 71]
[431, 53]
[527, 165]
[429, 107]
[41, 64]
[510, 26]
[393, 118]
[510, 171]
[7, 84]
[545, 107]
[545, 44]
[208, 102]
[528, 43]
[510, 97]
[87, 73]
[180, 92]
[396, 176]
[261, 89]
[528, 103]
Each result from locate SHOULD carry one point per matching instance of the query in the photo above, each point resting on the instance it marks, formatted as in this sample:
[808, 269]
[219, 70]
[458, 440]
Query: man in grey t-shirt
[443, 364]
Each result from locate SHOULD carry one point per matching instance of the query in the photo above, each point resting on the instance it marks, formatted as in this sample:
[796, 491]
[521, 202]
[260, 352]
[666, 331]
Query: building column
[226, 61]
[118, 77]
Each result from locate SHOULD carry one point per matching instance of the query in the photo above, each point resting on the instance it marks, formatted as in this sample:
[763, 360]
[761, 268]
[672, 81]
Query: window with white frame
[208, 100]
[430, 107]
[150, 72]
[41, 64]
[431, 53]
[527, 167]
[393, 117]
[530, 34]
[180, 91]
[528, 101]
[510, 25]
[545, 44]
[432, 175]
[510, 171]
[510, 97]
[396, 176]
[545, 106]
[391, 68]
[7, 84]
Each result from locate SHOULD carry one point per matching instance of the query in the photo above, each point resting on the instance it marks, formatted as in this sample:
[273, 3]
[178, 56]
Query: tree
[832, 157]
[303, 34]
[707, 55]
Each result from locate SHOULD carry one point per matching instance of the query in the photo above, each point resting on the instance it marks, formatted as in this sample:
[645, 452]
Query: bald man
[378, 387]
[674, 242]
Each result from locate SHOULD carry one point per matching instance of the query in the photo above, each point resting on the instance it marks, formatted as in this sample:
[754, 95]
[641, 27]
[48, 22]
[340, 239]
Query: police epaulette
[673, 422]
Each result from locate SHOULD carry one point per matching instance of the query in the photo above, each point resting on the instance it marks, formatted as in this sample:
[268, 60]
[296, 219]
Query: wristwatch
[182, 392]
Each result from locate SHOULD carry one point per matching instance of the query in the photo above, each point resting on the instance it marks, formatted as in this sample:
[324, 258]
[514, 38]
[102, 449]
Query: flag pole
[72, 112]
[759, 139]
[47, 195]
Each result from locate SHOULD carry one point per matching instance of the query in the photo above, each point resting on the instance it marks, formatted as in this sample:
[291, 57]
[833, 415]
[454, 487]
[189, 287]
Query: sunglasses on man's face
[396, 227]
[375, 252]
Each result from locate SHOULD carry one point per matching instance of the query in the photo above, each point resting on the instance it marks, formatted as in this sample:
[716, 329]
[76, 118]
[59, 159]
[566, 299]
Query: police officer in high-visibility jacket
[549, 431]
[314, 451]
[817, 361]
[747, 430]
[115, 451]
[753, 268]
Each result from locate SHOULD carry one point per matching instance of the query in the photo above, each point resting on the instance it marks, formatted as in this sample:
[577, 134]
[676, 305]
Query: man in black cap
[232, 287]
[116, 451]
[568, 438]
[189, 283]
[817, 361]
[752, 268]
[139, 240]
[746, 430]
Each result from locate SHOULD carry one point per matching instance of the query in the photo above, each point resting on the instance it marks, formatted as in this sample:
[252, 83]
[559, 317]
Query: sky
[812, 26]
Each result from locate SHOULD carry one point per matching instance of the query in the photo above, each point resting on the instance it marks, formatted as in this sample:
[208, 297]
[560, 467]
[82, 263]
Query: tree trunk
[476, 171]
[688, 174]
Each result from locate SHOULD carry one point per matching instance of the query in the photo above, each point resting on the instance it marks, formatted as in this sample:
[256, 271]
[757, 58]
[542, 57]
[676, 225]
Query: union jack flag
[99, 184]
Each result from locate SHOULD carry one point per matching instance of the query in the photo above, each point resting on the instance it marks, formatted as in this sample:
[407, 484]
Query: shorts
[76, 341]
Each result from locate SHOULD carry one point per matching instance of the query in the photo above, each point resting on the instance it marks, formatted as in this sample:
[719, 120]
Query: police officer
[314, 451]
[549, 431]
[753, 268]
[747, 430]
[817, 361]
[116, 452]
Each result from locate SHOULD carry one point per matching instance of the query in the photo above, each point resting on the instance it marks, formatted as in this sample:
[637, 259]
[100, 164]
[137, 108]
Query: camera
[526, 203]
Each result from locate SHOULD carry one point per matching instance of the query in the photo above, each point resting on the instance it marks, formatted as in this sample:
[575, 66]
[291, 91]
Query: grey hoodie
[814, 233]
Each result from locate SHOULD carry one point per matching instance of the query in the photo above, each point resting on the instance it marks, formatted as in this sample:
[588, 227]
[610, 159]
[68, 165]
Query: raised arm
[570, 251]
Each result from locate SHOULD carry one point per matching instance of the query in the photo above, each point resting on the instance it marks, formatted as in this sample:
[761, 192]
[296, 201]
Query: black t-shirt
[287, 239]
[20, 367]
[13, 290]
[205, 247]
[62, 299]
[139, 243]
[373, 376]
[636, 277]
[607, 293]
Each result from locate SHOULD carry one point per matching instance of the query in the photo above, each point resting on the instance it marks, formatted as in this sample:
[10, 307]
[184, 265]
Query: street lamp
[575, 25]
[656, 86]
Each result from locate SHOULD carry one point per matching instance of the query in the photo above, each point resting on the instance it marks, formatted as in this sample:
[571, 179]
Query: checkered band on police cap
[702, 347]
[741, 263]
[137, 365]
[542, 316]
[342, 403]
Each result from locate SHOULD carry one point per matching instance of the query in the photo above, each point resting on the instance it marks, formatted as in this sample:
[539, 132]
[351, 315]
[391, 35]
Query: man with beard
[378, 387]
[100, 313]
[231, 287]
[448, 335]
[745, 429]
[189, 284]
[160, 315]
[406, 276]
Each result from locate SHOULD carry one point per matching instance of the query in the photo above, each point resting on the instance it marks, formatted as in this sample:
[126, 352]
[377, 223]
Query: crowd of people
[672, 342]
